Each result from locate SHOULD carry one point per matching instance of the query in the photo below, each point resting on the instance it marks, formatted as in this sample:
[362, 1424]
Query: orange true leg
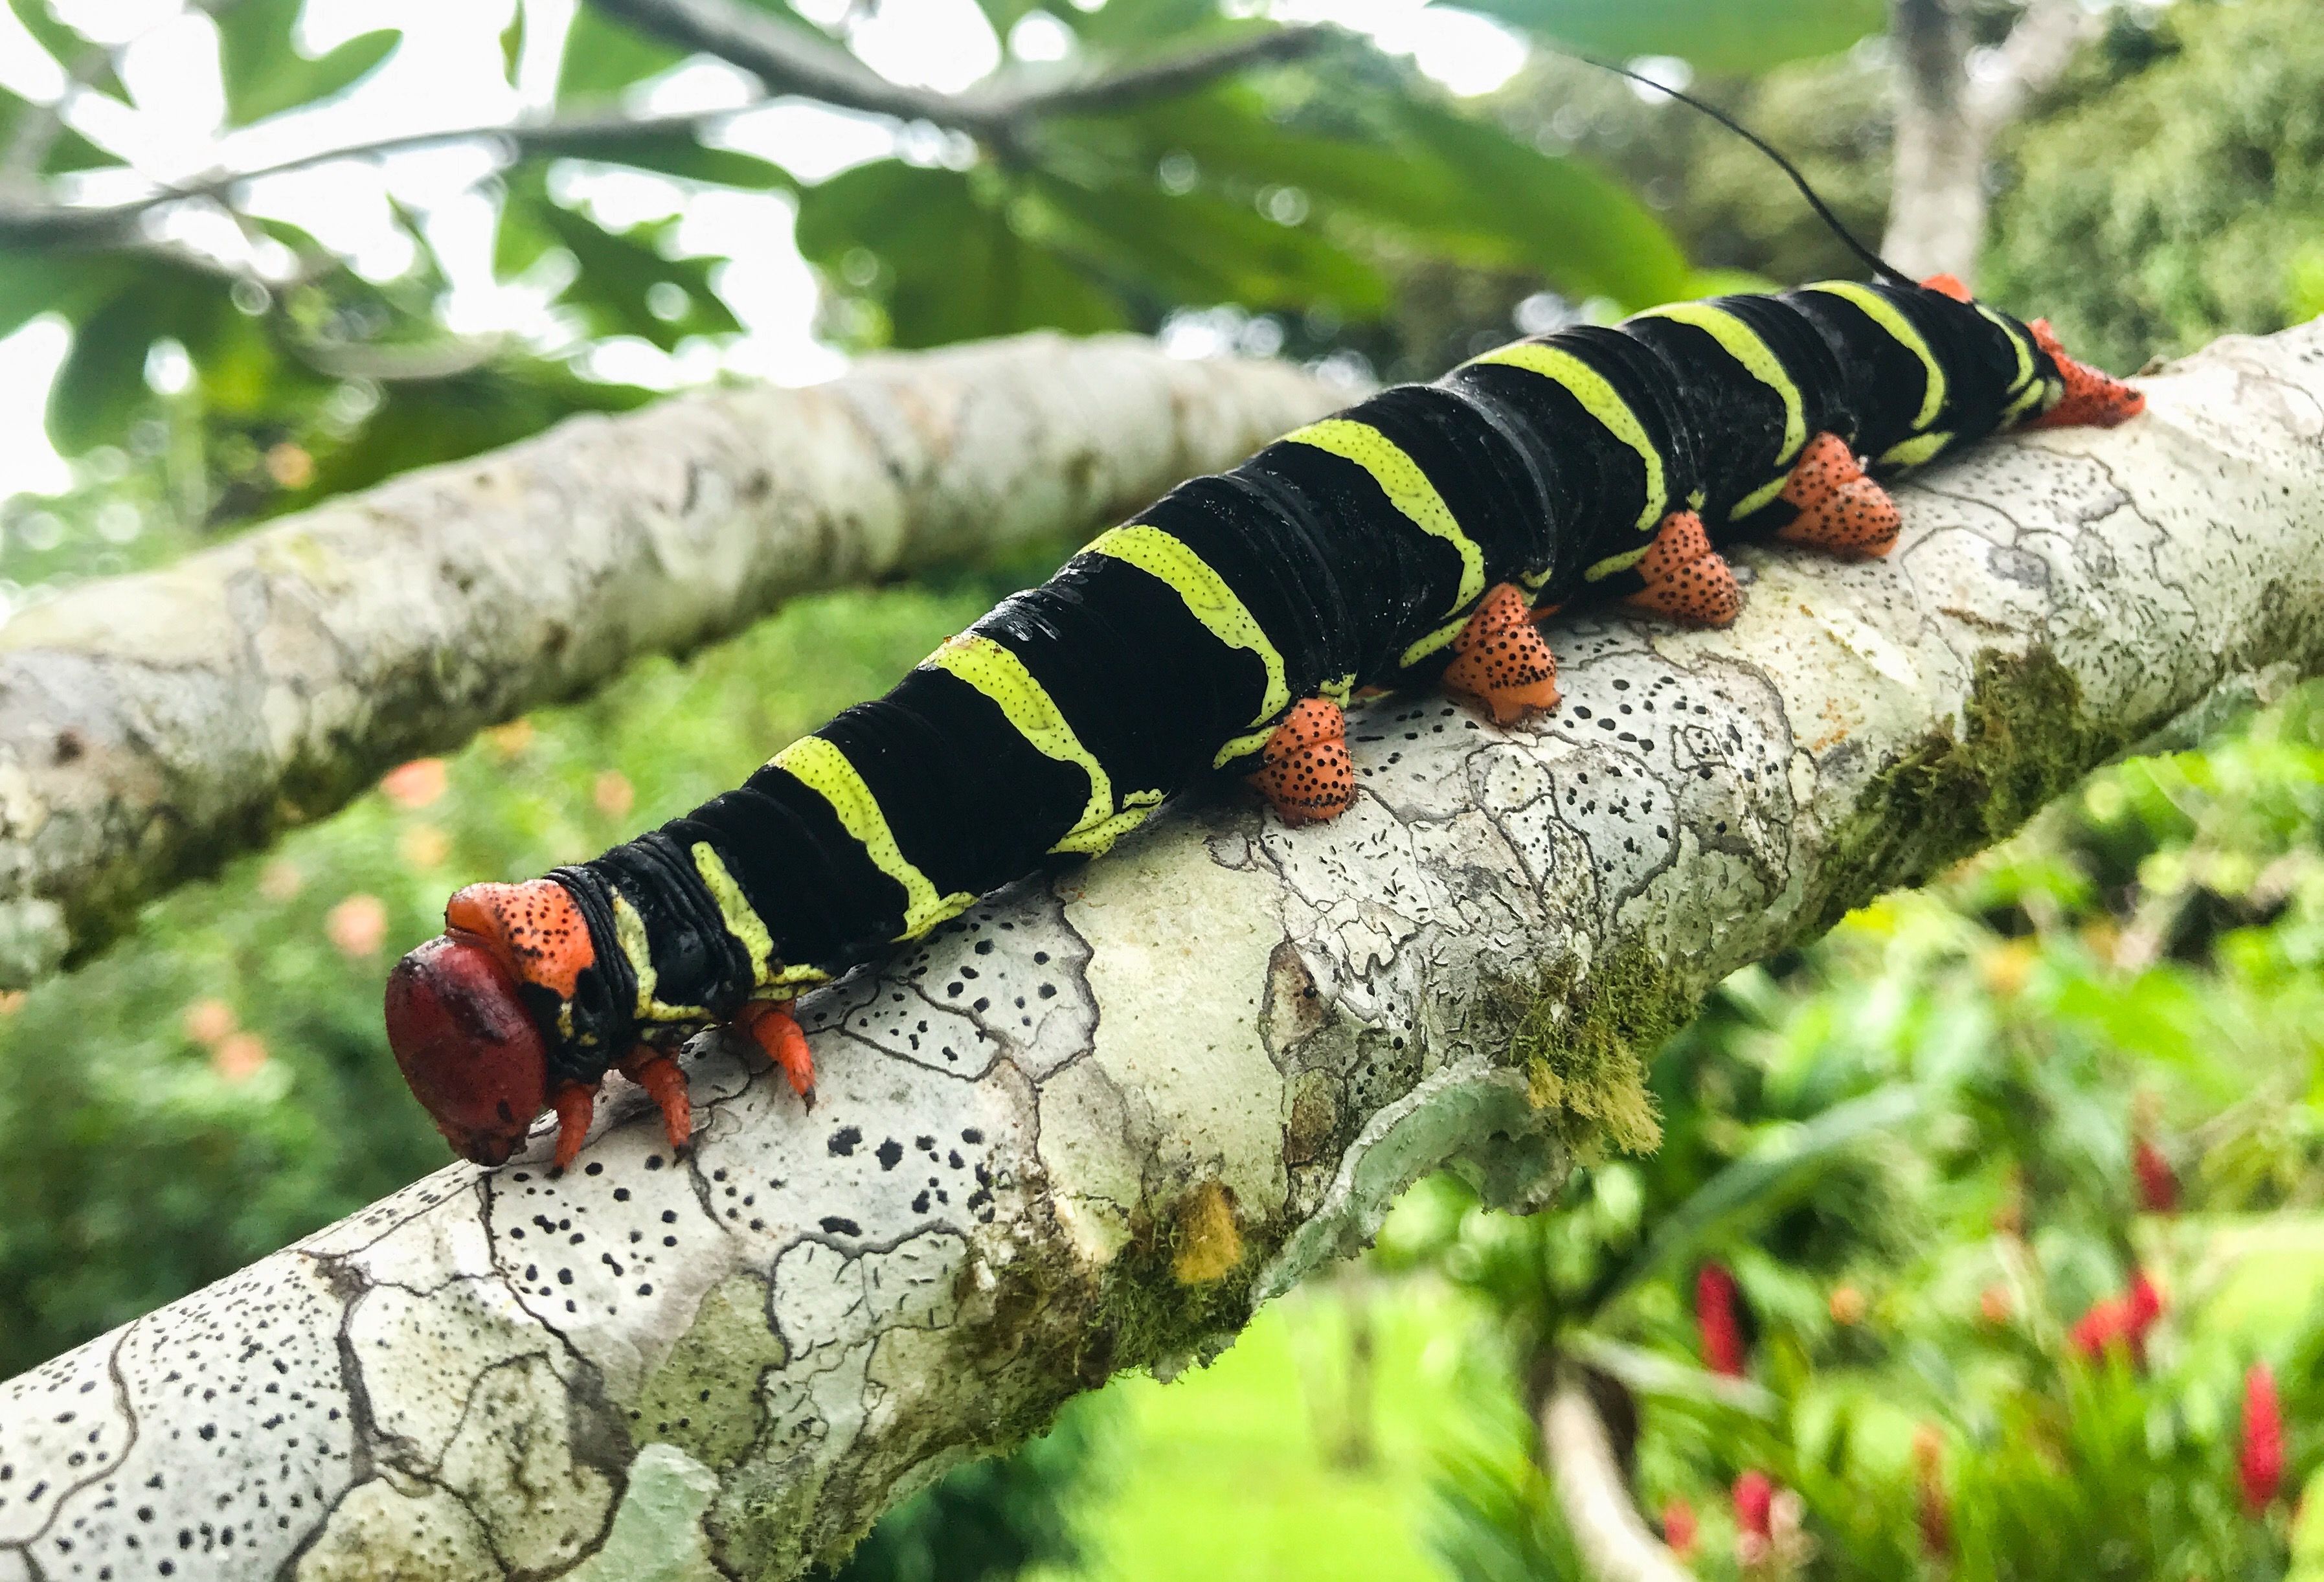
[1841, 512]
[1306, 775]
[773, 1028]
[654, 1071]
[575, 1103]
[1687, 580]
[1500, 661]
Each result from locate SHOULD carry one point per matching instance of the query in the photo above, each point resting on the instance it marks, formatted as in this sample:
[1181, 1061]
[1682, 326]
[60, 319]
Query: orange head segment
[536, 927]
[465, 1043]
[1947, 285]
[2092, 399]
[457, 1015]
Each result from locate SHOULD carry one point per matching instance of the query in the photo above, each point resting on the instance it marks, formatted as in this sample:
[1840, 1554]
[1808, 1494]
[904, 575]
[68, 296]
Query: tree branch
[1611, 1537]
[1947, 119]
[587, 136]
[1093, 1123]
[786, 60]
[151, 725]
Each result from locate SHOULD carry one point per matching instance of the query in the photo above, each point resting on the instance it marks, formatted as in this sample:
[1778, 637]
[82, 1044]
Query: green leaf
[101, 387]
[1580, 227]
[676, 154]
[1460, 188]
[1762, 1180]
[623, 276]
[68, 46]
[513, 43]
[1133, 25]
[1737, 36]
[264, 71]
[602, 57]
[1202, 248]
[949, 267]
[33, 284]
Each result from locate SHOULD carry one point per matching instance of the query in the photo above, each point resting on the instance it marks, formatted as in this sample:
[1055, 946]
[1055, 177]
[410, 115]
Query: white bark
[151, 725]
[1094, 1121]
[1948, 114]
[1608, 1533]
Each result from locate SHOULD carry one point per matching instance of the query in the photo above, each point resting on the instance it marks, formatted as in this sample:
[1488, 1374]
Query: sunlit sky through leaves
[447, 74]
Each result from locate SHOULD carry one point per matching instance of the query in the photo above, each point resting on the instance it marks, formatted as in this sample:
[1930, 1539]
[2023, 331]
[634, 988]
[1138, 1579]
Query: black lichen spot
[844, 1141]
[891, 1154]
[838, 1226]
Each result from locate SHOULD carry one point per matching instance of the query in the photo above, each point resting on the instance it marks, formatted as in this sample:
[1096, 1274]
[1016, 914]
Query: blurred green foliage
[2203, 214]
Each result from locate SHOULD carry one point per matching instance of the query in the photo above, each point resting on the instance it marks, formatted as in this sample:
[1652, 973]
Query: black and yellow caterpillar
[1407, 541]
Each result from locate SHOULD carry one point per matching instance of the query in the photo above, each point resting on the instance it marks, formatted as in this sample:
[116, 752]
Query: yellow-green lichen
[704, 1399]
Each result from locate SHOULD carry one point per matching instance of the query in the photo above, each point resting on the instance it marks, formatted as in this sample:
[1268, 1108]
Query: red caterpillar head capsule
[466, 1045]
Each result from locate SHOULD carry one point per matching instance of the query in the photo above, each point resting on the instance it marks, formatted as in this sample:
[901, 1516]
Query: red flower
[2120, 1320]
[1716, 1322]
[1753, 1498]
[2158, 1183]
[1679, 1527]
[2259, 1460]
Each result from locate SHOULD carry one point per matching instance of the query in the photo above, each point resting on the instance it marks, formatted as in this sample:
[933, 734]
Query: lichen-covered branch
[151, 725]
[1096, 1120]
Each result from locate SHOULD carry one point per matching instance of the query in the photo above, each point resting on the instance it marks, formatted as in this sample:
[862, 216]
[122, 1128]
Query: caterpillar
[1416, 539]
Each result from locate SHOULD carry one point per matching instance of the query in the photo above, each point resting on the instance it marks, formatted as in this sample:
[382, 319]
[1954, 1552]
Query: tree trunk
[1093, 1123]
[152, 725]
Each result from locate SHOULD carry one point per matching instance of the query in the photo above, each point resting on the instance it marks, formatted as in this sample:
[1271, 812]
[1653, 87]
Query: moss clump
[2023, 740]
[1209, 1245]
[1584, 1038]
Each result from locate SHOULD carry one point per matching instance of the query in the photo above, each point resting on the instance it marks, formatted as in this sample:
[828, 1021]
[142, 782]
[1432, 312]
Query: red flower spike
[1715, 1320]
[2158, 1183]
[1754, 1499]
[2259, 1460]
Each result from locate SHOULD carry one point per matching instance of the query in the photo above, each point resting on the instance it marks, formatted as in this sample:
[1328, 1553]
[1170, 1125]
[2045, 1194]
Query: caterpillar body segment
[1414, 539]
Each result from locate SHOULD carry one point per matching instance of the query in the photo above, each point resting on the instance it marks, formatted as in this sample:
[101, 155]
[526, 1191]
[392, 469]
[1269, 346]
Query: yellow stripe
[735, 910]
[1917, 452]
[2018, 344]
[1613, 563]
[1034, 714]
[1435, 640]
[1885, 313]
[1602, 401]
[1406, 487]
[824, 769]
[1742, 343]
[1208, 597]
[1760, 498]
[629, 934]
[2030, 400]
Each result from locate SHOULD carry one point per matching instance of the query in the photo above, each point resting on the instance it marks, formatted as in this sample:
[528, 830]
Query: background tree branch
[1948, 114]
[1611, 1537]
[1093, 1123]
[152, 725]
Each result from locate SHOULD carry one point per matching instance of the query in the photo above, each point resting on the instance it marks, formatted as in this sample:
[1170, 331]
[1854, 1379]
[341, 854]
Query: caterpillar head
[465, 1037]
[466, 1045]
